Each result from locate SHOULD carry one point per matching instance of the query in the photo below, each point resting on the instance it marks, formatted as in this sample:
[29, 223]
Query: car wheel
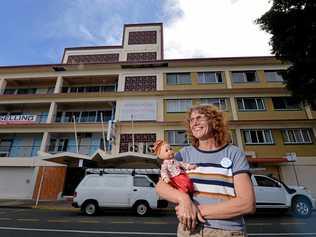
[301, 207]
[90, 208]
[141, 208]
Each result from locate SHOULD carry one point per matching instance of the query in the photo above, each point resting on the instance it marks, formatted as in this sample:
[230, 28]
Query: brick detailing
[140, 83]
[145, 56]
[142, 37]
[53, 182]
[141, 137]
[96, 58]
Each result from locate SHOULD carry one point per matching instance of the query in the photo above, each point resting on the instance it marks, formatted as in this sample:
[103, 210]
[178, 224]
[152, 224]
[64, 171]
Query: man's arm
[243, 203]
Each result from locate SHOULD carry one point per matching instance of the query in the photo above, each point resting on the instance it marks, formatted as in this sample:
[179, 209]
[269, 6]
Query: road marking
[293, 223]
[5, 219]
[27, 219]
[122, 222]
[156, 222]
[281, 234]
[261, 224]
[89, 221]
[87, 231]
[59, 221]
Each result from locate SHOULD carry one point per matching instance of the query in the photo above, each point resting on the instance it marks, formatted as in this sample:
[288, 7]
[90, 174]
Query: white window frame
[173, 135]
[220, 104]
[178, 78]
[273, 76]
[180, 105]
[296, 136]
[244, 76]
[256, 101]
[266, 135]
[202, 78]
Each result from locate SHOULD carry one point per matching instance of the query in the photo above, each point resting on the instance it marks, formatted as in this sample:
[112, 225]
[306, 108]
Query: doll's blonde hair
[157, 146]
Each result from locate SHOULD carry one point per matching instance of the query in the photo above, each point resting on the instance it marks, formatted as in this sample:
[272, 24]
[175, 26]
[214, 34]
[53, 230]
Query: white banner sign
[138, 110]
[15, 119]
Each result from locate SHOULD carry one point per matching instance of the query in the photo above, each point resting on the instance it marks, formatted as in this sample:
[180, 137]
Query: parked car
[272, 193]
[97, 191]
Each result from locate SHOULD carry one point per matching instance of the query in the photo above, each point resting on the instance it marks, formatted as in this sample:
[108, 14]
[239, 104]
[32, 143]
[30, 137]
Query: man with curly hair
[223, 189]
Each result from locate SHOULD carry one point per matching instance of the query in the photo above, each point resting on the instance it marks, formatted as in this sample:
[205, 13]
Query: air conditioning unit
[148, 148]
[133, 148]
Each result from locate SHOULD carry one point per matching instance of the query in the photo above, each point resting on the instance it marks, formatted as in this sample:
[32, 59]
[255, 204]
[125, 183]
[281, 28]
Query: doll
[173, 171]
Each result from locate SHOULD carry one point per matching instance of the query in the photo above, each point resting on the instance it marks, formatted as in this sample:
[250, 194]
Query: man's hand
[191, 167]
[188, 214]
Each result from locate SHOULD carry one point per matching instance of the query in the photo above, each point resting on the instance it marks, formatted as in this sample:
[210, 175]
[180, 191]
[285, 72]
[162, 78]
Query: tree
[292, 24]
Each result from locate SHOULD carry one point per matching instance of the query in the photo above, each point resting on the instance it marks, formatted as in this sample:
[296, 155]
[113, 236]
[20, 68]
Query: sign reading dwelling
[138, 110]
[17, 119]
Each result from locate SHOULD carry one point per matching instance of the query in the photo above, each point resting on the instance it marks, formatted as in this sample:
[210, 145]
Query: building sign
[17, 119]
[138, 110]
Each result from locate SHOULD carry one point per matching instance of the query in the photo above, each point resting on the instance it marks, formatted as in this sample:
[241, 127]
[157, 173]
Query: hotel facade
[104, 106]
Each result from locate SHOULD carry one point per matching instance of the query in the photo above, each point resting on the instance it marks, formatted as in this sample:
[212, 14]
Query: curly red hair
[217, 124]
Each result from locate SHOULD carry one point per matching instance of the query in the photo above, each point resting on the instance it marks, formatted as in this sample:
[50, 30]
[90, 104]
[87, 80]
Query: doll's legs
[183, 183]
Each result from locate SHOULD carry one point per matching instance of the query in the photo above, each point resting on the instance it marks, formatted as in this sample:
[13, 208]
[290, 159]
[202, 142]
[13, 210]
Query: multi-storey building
[104, 106]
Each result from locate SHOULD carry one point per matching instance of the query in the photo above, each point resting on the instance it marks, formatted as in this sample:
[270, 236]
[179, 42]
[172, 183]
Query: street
[42, 222]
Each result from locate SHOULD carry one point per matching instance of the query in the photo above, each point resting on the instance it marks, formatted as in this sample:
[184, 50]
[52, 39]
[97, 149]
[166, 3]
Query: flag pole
[103, 132]
[133, 140]
[75, 129]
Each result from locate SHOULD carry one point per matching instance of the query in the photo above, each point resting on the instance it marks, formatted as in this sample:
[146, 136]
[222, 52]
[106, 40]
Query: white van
[98, 191]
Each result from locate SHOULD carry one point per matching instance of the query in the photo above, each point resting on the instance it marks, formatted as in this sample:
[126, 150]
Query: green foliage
[292, 24]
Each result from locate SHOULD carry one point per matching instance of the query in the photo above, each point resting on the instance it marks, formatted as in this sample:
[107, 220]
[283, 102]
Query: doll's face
[166, 152]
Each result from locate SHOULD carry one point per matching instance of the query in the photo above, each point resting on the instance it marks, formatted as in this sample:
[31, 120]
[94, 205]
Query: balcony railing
[18, 151]
[27, 91]
[90, 89]
[82, 149]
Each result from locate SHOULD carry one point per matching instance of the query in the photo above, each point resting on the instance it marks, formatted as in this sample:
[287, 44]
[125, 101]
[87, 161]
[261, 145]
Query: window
[178, 105]
[141, 182]
[57, 145]
[296, 136]
[246, 104]
[285, 103]
[178, 78]
[210, 77]
[260, 136]
[177, 137]
[265, 182]
[220, 103]
[244, 77]
[273, 76]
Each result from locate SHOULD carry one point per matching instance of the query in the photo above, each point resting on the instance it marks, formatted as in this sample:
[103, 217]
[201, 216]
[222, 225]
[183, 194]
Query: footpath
[60, 205]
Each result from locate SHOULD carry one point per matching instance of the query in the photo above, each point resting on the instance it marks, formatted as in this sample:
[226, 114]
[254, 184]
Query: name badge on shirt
[226, 162]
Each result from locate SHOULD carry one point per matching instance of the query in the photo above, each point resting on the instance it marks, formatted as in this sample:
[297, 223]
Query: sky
[37, 31]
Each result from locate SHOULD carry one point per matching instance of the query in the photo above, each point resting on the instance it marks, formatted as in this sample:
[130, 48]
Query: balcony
[88, 143]
[20, 145]
[92, 84]
[29, 86]
[88, 112]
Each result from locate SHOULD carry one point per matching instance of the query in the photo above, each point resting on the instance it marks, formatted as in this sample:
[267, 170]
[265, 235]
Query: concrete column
[233, 107]
[3, 84]
[239, 138]
[52, 112]
[314, 131]
[160, 110]
[308, 112]
[228, 79]
[45, 142]
[159, 81]
[59, 84]
[121, 82]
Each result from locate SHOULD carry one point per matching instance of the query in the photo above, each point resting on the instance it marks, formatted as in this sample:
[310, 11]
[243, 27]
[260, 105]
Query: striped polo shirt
[213, 178]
